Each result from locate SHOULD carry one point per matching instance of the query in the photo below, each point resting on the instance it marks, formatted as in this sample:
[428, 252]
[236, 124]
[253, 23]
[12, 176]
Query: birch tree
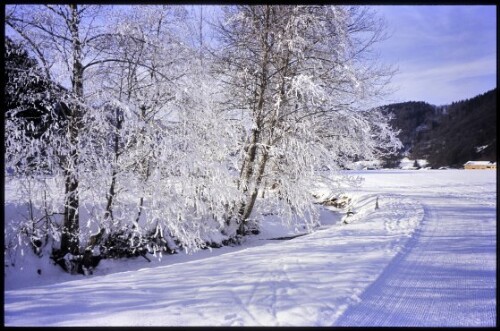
[297, 76]
[140, 82]
[142, 86]
[67, 40]
[60, 27]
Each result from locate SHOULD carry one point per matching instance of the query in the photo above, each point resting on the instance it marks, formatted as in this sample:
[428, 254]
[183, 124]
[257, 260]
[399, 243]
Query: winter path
[446, 275]
[441, 274]
[308, 280]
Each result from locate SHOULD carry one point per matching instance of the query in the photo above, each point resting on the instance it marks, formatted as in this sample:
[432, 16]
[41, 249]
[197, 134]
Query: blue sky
[443, 53]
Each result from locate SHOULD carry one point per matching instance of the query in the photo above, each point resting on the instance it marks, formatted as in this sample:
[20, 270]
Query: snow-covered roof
[480, 163]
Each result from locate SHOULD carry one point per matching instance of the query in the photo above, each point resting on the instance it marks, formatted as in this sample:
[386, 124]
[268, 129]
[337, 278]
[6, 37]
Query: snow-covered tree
[297, 76]
[141, 93]
[62, 36]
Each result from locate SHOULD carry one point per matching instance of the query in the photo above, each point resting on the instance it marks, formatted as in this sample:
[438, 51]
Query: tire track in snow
[445, 276]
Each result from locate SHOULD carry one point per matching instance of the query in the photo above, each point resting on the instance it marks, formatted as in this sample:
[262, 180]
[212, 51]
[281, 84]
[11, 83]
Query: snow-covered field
[425, 257]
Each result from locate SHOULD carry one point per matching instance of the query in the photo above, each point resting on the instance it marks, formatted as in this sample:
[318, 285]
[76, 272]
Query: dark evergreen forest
[447, 135]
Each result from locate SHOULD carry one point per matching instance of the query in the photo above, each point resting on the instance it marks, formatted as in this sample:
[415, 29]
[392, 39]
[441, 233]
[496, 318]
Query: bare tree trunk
[110, 196]
[248, 163]
[116, 149]
[246, 211]
[248, 177]
[70, 241]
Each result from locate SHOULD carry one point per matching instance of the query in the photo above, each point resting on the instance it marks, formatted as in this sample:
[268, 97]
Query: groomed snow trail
[309, 280]
[446, 276]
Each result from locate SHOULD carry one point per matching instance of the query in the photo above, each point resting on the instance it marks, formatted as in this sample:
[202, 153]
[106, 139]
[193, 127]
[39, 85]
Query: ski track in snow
[426, 257]
[446, 275]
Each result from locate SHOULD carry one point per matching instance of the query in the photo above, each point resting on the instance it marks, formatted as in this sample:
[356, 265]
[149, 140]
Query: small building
[480, 165]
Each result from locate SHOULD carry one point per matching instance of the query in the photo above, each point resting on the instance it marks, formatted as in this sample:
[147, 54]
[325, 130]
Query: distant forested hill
[447, 135]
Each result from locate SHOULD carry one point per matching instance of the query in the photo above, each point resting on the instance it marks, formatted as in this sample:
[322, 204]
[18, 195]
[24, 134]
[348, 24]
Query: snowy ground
[426, 257]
